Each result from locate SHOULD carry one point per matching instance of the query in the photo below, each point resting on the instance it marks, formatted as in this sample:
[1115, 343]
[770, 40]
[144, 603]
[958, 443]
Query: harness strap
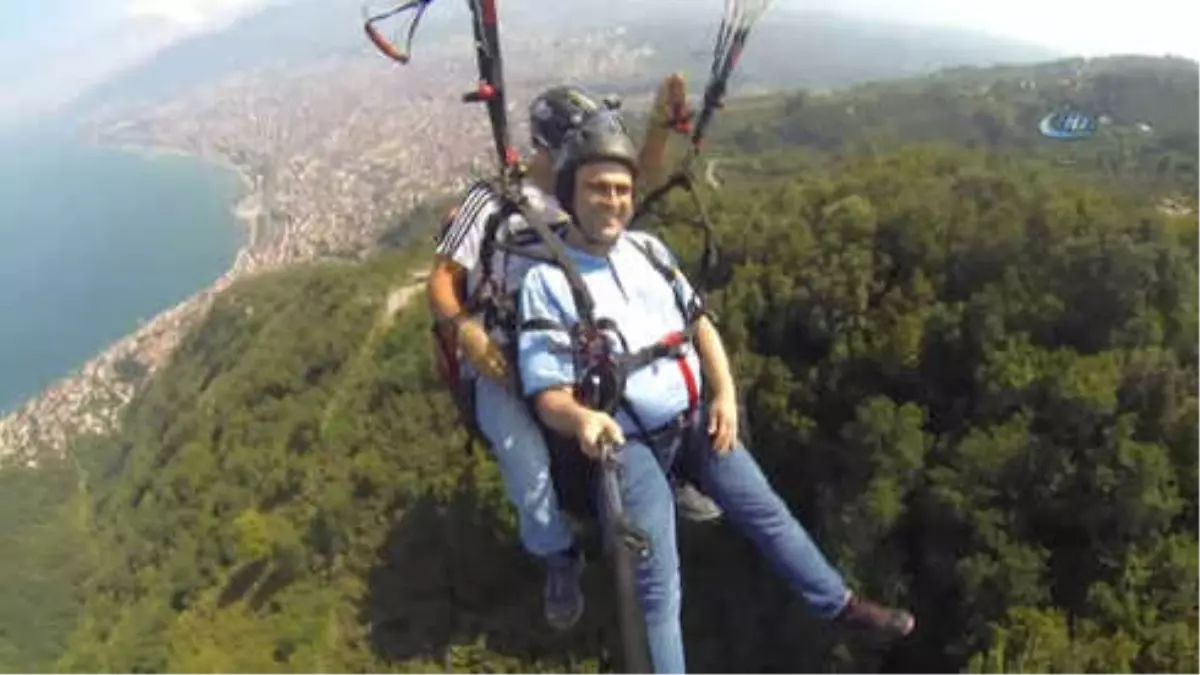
[541, 324]
[690, 313]
[670, 346]
[689, 377]
[484, 297]
[492, 297]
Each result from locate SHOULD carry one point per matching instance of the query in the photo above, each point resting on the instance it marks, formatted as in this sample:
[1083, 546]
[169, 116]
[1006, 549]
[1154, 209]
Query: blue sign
[1067, 125]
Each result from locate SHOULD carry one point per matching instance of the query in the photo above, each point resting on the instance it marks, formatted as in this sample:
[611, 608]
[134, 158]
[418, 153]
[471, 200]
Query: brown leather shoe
[887, 622]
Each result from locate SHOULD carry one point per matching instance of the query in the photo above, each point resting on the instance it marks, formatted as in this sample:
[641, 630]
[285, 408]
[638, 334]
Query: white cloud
[110, 35]
[193, 15]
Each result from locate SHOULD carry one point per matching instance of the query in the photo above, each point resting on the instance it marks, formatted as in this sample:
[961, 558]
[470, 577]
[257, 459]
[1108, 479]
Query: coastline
[246, 208]
[89, 400]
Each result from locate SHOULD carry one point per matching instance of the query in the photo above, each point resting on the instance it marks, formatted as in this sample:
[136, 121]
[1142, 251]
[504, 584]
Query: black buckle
[601, 386]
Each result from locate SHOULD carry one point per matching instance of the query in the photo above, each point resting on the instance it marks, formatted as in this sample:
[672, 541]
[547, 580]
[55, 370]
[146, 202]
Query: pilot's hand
[598, 434]
[723, 423]
[483, 352]
[670, 103]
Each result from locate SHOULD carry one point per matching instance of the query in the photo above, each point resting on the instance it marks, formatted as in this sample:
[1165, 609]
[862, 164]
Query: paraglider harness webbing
[508, 185]
[390, 49]
[449, 366]
[491, 298]
[603, 374]
[731, 39]
[684, 179]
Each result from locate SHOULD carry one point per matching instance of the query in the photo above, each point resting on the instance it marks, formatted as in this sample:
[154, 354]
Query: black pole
[486, 27]
[626, 546]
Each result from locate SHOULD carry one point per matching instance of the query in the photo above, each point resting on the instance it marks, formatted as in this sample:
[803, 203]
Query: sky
[51, 50]
[1154, 27]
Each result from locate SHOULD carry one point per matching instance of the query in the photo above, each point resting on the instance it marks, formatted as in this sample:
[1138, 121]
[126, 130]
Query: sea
[93, 242]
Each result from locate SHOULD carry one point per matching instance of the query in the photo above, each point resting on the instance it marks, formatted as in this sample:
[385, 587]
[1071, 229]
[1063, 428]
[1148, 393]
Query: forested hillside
[998, 109]
[47, 557]
[972, 372]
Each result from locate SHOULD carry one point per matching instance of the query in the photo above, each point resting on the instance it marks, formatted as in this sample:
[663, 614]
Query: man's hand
[723, 423]
[598, 433]
[671, 101]
[482, 352]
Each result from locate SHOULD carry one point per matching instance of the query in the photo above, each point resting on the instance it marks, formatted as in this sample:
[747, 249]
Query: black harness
[602, 371]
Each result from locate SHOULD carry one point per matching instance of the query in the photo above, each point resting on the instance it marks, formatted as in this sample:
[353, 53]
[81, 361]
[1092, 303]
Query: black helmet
[556, 111]
[601, 137]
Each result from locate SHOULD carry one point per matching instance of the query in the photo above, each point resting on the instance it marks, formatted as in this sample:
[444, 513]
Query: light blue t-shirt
[627, 289]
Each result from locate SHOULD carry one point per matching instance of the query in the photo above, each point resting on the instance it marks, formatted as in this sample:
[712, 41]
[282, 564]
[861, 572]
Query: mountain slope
[790, 48]
[999, 109]
[281, 35]
[273, 500]
[47, 559]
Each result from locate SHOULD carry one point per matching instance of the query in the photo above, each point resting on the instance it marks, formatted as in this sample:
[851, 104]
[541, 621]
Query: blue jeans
[520, 449]
[737, 484]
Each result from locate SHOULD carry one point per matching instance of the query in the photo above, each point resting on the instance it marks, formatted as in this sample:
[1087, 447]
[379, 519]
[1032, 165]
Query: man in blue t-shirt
[663, 417]
[469, 256]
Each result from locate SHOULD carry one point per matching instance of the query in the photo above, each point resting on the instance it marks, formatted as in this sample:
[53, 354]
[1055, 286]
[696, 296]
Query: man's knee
[739, 485]
[737, 466]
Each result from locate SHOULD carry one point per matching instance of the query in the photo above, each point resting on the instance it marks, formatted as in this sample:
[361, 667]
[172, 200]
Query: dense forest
[1147, 140]
[970, 367]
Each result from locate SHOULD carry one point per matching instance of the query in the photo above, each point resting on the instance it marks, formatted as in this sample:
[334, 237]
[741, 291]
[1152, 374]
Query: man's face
[603, 200]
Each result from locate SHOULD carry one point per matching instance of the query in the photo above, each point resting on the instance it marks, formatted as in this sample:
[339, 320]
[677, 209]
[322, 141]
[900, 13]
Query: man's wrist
[728, 393]
[579, 416]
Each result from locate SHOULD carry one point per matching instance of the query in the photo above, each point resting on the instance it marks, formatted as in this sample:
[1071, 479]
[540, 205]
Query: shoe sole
[567, 624]
[702, 518]
[880, 635]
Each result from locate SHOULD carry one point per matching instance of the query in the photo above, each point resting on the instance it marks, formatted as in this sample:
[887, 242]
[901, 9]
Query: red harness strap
[676, 341]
